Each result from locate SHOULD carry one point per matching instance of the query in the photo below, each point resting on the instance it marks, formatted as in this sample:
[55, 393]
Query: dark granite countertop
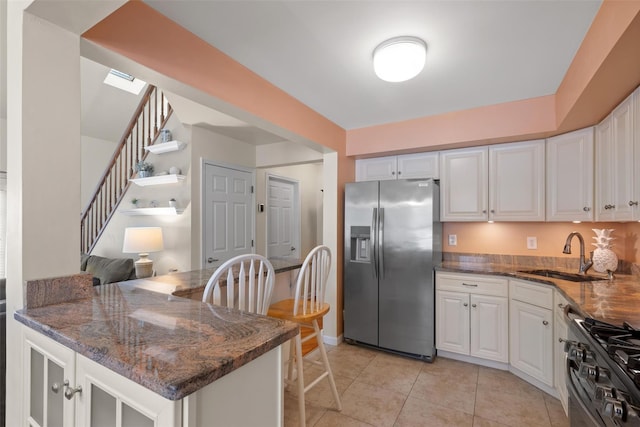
[613, 301]
[187, 283]
[173, 346]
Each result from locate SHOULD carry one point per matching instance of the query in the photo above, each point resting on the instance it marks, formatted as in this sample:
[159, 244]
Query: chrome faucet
[584, 264]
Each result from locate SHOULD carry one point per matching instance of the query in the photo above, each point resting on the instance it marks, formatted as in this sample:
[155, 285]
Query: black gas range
[603, 374]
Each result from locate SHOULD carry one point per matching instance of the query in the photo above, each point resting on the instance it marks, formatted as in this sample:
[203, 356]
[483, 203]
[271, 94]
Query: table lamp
[143, 240]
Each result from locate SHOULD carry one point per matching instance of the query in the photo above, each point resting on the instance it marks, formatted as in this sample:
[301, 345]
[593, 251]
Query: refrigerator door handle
[381, 239]
[374, 231]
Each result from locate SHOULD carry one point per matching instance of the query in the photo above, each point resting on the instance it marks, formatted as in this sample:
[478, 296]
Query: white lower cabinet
[472, 316]
[65, 389]
[531, 330]
[560, 333]
[47, 365]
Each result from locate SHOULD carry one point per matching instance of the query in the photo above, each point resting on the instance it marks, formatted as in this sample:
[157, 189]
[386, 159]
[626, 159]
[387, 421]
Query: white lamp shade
[399, 59]
[142, 240]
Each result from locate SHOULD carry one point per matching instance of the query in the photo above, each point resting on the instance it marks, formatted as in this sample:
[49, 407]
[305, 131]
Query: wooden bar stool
[307, 309]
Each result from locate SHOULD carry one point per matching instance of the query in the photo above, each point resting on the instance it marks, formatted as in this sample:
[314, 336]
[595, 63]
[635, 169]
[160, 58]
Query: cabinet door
[516, 181]
[531, 340]
[110, 400]
[614, 165]
[561, 331]
[419, 165]
[47, 366]
[452, 322]
[464, 184]
[570, 176]
[489, 327]
[376, 169]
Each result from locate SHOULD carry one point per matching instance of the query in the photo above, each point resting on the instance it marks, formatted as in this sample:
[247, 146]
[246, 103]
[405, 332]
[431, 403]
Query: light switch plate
[532, 243]
[453, 239]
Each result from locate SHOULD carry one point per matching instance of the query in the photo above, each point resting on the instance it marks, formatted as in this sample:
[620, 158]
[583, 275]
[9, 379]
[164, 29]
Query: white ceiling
[320, 52]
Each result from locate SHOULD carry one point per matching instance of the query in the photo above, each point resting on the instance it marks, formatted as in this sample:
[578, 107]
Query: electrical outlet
[532, 243]
[453, 240]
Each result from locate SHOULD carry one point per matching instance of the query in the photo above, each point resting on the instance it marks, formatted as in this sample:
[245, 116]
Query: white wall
[95, 155]
[175, 229]
[3, 144]
[310, 178]
[42, 158]
[209, 145]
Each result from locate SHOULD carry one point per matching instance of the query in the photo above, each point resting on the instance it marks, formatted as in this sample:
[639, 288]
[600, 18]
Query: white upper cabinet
[570, 176]
[516, 181]
[502, 182]
[463, 184]
[419, 165]
[616, 197]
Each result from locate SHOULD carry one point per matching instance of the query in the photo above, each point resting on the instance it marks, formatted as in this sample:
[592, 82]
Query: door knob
[293, 248]
[210, 260]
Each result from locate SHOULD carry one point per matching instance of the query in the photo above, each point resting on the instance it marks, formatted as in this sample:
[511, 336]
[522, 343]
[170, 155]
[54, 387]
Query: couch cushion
[110, 270]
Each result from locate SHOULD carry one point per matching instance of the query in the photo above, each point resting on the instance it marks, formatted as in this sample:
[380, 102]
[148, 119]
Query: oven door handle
[568, 308]
[573, 391]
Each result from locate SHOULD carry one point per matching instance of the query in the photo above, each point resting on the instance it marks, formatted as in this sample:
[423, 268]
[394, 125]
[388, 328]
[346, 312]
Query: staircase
[143, 130]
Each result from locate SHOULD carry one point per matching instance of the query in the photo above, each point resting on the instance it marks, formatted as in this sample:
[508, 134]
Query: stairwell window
[124, 81]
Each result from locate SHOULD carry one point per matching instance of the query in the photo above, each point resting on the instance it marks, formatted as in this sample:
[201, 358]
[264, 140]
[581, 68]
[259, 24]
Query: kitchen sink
[573, 277]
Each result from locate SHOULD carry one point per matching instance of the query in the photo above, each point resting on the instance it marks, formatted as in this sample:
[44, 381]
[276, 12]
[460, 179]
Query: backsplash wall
[511, 238]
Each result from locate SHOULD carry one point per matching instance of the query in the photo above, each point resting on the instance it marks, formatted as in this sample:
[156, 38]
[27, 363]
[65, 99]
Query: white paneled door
[283, 229]
[227, 213]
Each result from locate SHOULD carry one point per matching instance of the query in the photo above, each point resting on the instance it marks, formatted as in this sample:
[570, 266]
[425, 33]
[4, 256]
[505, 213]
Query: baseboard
[475, 360]
[332, 340]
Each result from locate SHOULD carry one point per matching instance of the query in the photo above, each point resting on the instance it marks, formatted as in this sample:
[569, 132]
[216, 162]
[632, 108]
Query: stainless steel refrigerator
[393, 239]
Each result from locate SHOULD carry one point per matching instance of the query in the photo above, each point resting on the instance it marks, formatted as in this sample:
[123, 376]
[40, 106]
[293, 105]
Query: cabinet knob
[473, 305]
[393, 173]
[55, 387]
[465, 304]
[399, 172]
[484, 211]
[632, 203]
[493, 211]
[586, 209]
[607, 207]
[69, 391]
[545, 323]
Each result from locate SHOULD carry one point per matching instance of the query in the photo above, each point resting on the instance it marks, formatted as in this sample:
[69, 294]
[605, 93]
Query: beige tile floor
[381, 389]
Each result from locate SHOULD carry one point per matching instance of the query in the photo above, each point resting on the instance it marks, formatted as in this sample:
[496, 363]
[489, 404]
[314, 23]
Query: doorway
[283, 217]
[227, 214]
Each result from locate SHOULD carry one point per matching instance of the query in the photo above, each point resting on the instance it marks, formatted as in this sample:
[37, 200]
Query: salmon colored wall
[512, 121]
[510, 238]
[604, 71]
[605, 68]
[346, 173]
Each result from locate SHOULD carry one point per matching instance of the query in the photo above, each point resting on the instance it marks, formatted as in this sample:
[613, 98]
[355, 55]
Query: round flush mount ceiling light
[399, 59]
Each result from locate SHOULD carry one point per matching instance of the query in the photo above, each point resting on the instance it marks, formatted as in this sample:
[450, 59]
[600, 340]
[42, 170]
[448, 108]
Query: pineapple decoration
[604, 259]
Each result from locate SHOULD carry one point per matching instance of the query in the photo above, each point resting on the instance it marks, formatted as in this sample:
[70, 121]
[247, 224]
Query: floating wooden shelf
[165, 147]
[153, 211]
[158, 179]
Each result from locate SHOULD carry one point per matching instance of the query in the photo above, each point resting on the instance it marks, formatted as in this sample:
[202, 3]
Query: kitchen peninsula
[179, 362]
